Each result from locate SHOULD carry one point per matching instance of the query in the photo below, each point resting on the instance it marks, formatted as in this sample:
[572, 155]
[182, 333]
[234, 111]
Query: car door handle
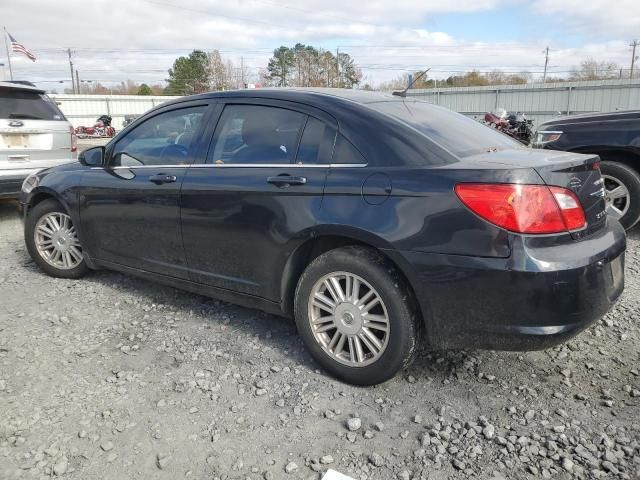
[284, 181]
[162, 178]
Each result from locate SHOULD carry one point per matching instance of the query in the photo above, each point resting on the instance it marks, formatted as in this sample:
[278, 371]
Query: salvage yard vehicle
[615, 137]
[102, 128]
[377, 222]
[34, 134]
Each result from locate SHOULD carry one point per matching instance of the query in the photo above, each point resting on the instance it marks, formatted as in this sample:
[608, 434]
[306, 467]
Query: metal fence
[85, 109]
[540, 102]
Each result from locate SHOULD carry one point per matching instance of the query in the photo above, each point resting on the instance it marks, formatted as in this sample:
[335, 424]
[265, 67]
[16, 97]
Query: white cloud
[619, 17]
[119, 39]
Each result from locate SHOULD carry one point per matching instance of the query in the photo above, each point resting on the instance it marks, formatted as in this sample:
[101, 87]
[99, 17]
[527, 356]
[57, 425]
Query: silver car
[34, 134]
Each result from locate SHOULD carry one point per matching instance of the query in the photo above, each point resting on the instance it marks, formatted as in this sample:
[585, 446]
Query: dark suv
[615, 137]
[373, 220]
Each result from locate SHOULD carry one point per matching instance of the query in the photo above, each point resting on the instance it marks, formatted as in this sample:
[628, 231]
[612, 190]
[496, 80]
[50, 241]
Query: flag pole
[6, 45]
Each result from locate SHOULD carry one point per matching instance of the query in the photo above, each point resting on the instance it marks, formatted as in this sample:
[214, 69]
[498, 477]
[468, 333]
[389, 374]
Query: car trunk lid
[580, 174]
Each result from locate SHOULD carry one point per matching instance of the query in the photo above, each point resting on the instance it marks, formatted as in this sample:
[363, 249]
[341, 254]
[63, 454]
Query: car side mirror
[92, 157]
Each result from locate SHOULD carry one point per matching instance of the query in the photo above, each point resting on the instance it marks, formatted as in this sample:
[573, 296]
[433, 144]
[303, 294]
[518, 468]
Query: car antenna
[403, 93]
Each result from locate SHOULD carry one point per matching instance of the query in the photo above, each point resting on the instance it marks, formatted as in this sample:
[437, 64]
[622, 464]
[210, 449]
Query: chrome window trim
[133, 167]
[277, 165]
[244, 165]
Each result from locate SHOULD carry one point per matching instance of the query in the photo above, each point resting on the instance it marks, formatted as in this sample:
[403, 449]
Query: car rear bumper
[537, 298]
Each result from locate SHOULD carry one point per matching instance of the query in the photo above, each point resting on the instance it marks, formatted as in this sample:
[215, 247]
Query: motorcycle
[102, 128]
[514, 124]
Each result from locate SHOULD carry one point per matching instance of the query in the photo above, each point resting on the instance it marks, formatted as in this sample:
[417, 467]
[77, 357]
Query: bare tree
[216, 71]
[591, 69]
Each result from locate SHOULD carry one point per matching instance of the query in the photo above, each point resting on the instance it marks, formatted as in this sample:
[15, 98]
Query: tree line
[297, 66]
[589, 69]
[308, 66]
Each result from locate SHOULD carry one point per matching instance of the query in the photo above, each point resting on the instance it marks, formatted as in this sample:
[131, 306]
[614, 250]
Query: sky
[116, 40]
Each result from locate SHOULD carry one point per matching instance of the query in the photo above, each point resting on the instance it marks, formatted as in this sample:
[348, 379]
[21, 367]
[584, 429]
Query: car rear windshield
[460, 135]
[22, 105]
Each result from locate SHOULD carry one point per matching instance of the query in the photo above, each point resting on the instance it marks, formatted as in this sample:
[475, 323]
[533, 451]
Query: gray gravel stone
[354, 424]
[376, 460]
[326, 460]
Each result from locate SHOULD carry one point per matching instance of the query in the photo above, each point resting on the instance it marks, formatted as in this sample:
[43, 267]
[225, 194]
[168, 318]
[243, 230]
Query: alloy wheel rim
[348, 319]
[56, 241]
[616, 197]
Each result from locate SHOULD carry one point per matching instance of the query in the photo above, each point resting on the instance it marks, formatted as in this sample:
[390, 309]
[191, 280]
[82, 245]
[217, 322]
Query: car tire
[369, 271]
[630, 178]
[44, 214]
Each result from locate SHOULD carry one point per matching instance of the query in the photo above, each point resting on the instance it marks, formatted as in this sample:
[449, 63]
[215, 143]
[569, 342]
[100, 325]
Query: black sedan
[375, 221]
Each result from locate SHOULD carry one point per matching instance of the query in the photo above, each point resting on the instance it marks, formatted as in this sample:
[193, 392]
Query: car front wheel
[52, 241]
[622, 192]
[356, 315]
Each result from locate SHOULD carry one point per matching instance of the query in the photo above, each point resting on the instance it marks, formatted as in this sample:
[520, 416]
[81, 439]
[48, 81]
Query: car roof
[310, 95]
[20, 86]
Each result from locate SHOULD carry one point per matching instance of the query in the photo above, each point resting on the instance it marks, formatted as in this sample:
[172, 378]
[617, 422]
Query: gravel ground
[114, 377]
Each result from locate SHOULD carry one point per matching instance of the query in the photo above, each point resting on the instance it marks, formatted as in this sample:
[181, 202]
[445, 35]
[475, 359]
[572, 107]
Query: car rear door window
[346, 153]
[316, 144]
[21, 105]
[256, 134]
[460, 135]
[161, 140]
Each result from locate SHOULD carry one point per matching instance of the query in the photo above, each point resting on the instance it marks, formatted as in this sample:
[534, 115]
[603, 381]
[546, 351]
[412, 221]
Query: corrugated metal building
[539, 101]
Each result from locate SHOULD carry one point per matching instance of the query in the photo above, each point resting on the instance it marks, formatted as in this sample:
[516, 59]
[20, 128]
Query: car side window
[161, 140]
[316, 144]
[256, 134]
[346, 153]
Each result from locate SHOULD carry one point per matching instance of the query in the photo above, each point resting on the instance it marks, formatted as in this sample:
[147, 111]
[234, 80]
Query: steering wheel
[173, 151]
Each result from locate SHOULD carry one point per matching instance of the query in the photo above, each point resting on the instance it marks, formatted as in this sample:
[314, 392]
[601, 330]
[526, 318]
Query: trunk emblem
[16, 123]
[575, 182]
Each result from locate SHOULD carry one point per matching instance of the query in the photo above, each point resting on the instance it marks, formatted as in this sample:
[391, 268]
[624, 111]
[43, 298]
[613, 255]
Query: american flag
[18, 47]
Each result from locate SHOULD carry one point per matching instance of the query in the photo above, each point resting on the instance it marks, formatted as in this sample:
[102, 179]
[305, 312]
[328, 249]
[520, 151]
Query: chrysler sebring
[377, 222]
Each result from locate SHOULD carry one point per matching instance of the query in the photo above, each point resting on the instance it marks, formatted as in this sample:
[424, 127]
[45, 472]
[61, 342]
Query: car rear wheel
[622, 192]
[52, 241]
[356, 315]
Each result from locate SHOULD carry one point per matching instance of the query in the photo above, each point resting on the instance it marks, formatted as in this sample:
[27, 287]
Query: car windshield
[17, 104]
[460, 135]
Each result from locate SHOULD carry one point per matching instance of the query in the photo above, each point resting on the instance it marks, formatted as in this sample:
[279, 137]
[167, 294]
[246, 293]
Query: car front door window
[161, 140]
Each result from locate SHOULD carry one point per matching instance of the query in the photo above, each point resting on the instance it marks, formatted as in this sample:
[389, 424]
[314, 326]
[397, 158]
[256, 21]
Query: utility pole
[78, 81]
[546, 62]
[73, 85]
[633, 45]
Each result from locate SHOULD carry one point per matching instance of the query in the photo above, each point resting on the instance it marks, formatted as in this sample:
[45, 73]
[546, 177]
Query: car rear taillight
[74, 139]
[524, 208]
